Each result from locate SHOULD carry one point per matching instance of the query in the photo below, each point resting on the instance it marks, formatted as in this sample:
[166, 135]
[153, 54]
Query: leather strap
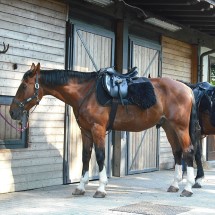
[112, 115]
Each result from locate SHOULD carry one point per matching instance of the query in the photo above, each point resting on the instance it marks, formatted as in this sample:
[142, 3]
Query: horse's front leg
[87, 141]
[98, 133]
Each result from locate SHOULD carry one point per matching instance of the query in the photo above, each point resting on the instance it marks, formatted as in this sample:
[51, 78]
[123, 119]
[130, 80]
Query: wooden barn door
[143, 146]
[100, 44]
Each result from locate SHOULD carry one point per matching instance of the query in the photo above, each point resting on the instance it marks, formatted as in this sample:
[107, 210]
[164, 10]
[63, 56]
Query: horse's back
[169, 87]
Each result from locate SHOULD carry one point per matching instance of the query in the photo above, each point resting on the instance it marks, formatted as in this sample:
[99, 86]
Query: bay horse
[174, 111]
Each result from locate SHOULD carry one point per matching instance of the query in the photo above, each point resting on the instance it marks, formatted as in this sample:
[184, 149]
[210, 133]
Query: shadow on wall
[41, 164]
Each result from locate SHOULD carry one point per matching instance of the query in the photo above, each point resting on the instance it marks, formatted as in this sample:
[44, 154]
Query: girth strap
[112, 115]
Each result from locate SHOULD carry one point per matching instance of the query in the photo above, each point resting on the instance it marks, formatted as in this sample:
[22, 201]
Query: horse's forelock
[26, 75]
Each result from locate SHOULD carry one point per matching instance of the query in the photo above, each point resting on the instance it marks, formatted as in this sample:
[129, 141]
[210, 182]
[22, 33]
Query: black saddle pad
[140, 93]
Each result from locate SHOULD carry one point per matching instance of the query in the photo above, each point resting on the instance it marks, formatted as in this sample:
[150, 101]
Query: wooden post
[119, 143]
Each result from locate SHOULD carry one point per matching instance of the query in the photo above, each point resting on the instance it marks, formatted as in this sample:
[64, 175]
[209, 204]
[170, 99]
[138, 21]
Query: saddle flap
[115, 86]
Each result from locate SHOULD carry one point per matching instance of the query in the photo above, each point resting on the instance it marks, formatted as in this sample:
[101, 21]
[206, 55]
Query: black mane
[61, 77]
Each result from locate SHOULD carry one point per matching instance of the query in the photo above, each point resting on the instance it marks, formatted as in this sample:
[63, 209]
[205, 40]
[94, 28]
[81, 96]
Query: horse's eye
[24, 86]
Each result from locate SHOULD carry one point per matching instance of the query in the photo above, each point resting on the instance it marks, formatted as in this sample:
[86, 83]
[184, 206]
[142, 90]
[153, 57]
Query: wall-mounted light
[162, 24]
[101, 3]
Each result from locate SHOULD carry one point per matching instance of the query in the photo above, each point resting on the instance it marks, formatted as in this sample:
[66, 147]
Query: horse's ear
[37, 68]
[32, 67]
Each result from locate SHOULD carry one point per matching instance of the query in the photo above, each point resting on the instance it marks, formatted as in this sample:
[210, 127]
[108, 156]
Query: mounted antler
[5, 48]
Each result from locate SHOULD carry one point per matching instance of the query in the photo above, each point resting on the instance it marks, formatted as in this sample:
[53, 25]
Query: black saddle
[124, 89]
[204, 94]
[203, 86]
[202, 89]
[111, 71]
[116, 84]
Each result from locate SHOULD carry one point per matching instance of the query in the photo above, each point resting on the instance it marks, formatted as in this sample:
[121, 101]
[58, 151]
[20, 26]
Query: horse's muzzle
[16, 114]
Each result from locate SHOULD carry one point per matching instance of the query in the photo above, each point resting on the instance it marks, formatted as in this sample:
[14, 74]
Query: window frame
[14, 143]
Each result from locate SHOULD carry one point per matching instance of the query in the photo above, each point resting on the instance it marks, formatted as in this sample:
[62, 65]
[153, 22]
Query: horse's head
[28, 94]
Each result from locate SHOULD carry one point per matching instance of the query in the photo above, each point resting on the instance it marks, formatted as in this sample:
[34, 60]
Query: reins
[18, 129]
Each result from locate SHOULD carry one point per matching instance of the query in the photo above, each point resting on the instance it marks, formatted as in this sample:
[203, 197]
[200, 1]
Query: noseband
[35, 96]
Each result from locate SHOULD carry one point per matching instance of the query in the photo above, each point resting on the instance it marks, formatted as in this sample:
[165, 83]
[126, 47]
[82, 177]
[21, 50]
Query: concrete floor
[135, 194]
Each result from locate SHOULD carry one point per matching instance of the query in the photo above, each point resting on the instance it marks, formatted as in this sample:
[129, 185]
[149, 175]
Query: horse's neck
[72, 93]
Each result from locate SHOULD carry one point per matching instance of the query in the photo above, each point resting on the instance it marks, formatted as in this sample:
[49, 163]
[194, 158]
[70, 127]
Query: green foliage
[212, 74]
[212, 82]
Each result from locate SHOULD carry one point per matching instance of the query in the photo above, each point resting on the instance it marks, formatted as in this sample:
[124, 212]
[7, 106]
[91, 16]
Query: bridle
[23, 103]
[34, 96]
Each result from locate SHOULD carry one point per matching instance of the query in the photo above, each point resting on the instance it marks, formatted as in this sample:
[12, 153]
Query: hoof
[172, 189]
[78, 192]
[197, 185]
[99, 194]
[186, 193]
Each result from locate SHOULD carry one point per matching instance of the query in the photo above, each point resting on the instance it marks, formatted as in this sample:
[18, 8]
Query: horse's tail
[195, 135]
[195, 130]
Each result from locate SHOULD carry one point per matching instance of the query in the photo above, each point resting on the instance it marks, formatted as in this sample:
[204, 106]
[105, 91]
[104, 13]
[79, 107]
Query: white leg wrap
[199, 181]
[84, 180]
[177, 175]
[102, 180]
[190, 179]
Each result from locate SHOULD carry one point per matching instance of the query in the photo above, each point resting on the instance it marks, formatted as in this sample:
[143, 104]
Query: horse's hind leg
[188, 155]
[178, 172]
[180, 143]
[177, 153]
[200, 171]
[98, 133]
[190, 143]
[87, 141]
